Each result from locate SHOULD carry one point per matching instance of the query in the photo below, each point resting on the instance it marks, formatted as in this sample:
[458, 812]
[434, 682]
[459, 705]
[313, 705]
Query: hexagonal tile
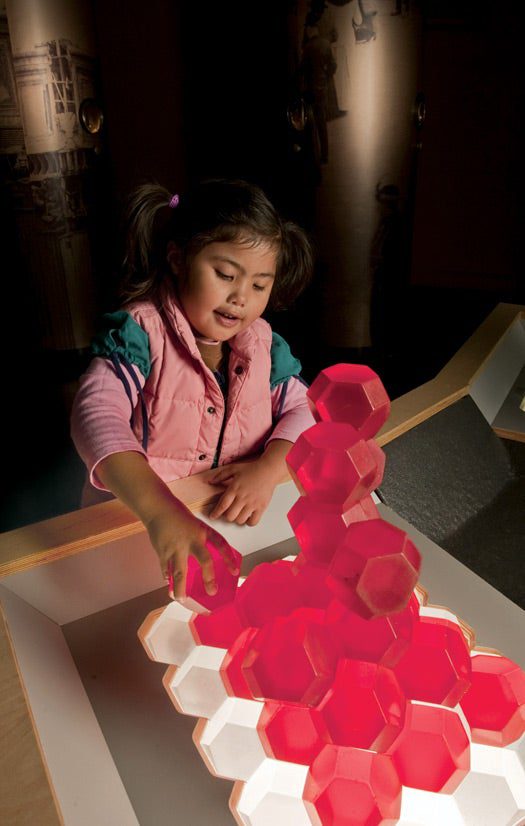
[494, 705]
[226, 582]
[293, 733]
[196, 688]
[365, 706]
[252, 601]
[421, 808]
[229, 742]
[166, 634]
[433, 750]
[350, 393]
[352, 786]
[220, 628]
[435, 668]
[273, 795]
[375, 568]
[493, 792]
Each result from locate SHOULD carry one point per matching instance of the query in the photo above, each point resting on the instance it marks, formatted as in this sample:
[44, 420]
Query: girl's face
[225, 286]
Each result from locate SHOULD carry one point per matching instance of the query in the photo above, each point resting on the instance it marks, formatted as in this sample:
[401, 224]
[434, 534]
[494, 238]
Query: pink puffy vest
[187, 414]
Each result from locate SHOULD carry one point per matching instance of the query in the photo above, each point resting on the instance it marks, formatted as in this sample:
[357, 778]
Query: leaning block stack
[327, 688]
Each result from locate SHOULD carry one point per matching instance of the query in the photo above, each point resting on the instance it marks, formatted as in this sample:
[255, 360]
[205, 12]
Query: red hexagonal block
[436, 666]
[226, 582]
[292, 659]
[269, 591]
[220, 628]
[381, 640]
[311, 582]
[320, 528]
[494, 705]
[350, 393]
[333, 465]
[375, 568]
[352, 787]
[433, 751]
[364, 707]
[292, 733]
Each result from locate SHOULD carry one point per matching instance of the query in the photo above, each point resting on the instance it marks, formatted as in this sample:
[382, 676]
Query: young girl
[190, 358]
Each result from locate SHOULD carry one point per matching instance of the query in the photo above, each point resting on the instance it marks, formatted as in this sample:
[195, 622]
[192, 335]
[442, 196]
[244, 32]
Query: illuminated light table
[98, 741]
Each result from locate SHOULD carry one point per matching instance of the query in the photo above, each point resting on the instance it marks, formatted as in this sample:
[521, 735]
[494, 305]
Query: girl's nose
[238, 295]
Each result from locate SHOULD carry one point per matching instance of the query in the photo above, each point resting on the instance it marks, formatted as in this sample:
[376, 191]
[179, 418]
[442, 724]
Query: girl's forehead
[260, 255]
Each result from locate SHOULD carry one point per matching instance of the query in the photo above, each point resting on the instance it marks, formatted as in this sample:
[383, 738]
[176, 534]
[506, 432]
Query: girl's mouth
[226, 319]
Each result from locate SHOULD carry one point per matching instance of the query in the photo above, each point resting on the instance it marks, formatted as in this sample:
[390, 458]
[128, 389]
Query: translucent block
[493, 792]
[231, 670]
[350, 393]
[229, 743]
[365, 706]
[495, 703]
[440, 612]
[380, 460]
[292, 733]
[166, 634]
[269, 591]
[421, 808]
[311, 583]
[433, 751]
[196, 688]
[436, 666]
[333, 465]
[380, 640]
[219, 628]
[375, 568]
[292, 659]
[226, 582]
[272, 796]
[352, 787]
[320, 528]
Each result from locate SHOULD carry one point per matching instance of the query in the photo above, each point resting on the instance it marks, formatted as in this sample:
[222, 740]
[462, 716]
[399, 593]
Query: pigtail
[146, 227]
[295, 264]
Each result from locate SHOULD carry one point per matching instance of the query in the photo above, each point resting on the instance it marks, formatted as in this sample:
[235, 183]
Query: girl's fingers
[225, 502]
[225, 549]
[203, 557]
[176, 572]
[254, 518]
[244, 515]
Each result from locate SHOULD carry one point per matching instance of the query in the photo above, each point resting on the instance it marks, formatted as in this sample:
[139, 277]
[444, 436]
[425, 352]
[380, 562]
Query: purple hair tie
[174, 201]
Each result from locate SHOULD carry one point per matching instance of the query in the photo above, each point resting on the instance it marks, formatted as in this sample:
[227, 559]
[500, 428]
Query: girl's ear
[174, 258]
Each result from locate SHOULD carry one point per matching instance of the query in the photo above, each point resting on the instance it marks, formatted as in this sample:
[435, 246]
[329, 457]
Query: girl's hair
[214, 210]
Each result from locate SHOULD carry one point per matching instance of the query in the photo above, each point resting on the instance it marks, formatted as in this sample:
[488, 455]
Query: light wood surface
[25, 792]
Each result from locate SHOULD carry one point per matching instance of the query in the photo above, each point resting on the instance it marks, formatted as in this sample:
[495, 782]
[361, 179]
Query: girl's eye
[224, 276]
[259, 287]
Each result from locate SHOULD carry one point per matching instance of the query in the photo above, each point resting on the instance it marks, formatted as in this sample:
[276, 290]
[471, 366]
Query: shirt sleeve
[296, 415]
[100, 418]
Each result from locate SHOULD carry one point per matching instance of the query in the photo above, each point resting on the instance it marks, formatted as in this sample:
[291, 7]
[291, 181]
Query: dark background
[191, 89]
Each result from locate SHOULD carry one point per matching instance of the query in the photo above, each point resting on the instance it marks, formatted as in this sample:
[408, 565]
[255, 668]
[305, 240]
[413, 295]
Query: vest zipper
[219, 443]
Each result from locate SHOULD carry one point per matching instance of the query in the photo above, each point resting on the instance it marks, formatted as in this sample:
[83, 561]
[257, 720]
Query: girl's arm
[173, 530]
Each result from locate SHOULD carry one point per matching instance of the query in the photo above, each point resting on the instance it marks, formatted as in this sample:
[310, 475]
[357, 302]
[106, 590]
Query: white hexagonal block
[229, 742]
[166, 635]
[493, 792]
[440, 612]
[273, 796]
[196, 688]
[422, 808]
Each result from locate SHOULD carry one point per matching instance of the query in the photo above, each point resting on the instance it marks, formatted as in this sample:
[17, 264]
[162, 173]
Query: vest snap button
[239, 370]
[211, 410]
[202, 457]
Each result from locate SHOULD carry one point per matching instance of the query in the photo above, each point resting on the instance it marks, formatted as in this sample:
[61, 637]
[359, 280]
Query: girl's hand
[249, 486]
[175, 533]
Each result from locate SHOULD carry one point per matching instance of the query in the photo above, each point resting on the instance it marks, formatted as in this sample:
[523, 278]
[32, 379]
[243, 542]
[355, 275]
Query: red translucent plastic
[365, 706]
[379, 639]
[270, 591]
[292, 733]
[495, 703]
[380, 460]
[433, 751]
[292, 658]
[350, 393]
[226, 582]
[311, 583]
[352, 787]
[333, 465]
[320, 528]
[220, 628]
[375, 568]
[436, 666]
[231, 668]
